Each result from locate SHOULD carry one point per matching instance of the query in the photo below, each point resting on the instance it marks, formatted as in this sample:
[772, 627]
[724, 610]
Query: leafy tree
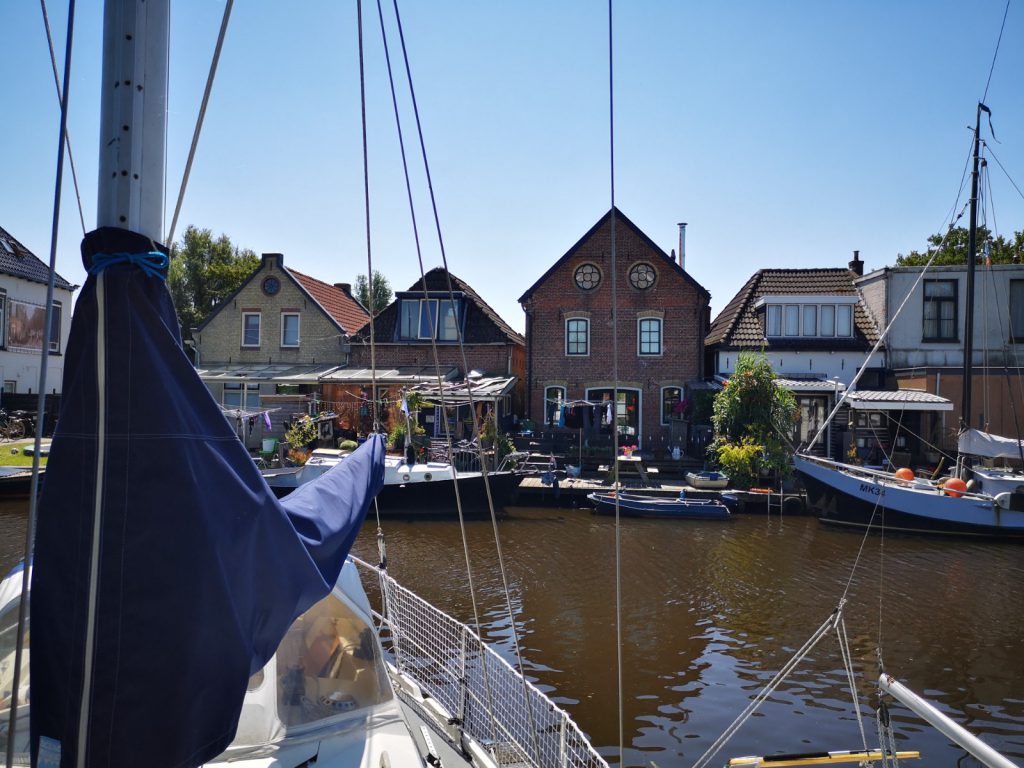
[381, 292]
[204, 271]
[753, 418]
[954, 250]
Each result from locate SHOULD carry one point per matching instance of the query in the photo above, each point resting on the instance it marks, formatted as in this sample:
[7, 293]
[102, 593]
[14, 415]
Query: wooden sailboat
[850, 495]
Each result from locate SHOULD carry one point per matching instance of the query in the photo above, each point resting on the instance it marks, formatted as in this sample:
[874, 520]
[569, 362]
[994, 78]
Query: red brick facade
[673, 304]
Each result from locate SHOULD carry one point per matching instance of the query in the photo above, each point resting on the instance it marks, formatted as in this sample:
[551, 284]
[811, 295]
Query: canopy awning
[283, 372]
[978, 443]
[897, 400]
[408, 375]
[456, 393]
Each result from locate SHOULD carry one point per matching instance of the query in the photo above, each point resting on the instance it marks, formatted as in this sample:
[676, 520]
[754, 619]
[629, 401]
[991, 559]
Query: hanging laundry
[574, 418]
[608, 413]
[561, 415]
[266, 419]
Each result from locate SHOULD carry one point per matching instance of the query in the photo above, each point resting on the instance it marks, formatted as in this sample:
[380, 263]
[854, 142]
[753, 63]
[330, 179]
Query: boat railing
[481, 694]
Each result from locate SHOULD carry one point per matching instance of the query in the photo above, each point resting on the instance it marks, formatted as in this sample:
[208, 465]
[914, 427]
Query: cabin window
[1017, 311]
[241, 395]
[553, 399]
[671, 404]
[773, 320]
[55, 316]
[577, 336]
[940, 301]
[250, 329]
[649, 336]
[289, 329]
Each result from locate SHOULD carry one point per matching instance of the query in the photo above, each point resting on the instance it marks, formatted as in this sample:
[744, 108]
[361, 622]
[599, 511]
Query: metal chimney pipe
[682, 244]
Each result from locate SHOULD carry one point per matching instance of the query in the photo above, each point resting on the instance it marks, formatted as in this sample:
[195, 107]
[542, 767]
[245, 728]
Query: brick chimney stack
[857, 266]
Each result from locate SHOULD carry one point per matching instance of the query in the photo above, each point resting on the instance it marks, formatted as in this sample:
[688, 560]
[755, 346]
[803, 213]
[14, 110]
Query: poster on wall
[26, 325]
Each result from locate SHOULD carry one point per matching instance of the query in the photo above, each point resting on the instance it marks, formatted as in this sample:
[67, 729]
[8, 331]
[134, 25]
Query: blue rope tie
[154, 263]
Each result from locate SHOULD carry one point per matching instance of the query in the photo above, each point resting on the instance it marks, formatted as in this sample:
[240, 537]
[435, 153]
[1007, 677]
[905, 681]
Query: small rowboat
[640, 505]
[716, 480]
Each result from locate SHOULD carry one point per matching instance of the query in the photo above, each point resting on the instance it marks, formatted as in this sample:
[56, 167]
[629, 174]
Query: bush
[302, 432]
[740, 461]
[347, 445]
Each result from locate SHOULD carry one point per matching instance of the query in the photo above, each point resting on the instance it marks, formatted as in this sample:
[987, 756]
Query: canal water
[712, 610]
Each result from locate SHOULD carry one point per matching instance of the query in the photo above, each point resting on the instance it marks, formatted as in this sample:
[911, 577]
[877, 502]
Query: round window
[642, 276]
[587, 277]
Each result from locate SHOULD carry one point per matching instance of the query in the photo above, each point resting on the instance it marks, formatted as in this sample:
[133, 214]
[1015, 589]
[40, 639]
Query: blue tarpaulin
[199, 569]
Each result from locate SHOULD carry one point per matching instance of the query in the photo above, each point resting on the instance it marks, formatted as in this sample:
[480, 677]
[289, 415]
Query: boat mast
[133, 116]
[972, 246]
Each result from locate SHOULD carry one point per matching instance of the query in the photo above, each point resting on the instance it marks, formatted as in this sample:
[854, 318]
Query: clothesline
[241, 413]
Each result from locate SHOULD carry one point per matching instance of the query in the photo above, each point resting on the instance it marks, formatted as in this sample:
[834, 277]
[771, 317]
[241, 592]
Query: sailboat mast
[133, 116]
[972, 246]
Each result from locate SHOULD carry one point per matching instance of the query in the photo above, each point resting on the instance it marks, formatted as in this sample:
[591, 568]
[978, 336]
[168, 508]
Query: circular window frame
[271, 280]
[633, 271]
[580, 268]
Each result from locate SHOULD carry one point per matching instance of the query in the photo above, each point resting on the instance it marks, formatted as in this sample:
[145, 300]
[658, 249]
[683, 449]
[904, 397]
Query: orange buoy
[955, 487]
[903, 473]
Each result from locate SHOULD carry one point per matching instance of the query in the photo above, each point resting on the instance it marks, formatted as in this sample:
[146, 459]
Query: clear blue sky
[785, 133]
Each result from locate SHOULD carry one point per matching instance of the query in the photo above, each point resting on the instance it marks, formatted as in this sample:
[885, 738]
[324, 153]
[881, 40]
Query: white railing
[484, 696]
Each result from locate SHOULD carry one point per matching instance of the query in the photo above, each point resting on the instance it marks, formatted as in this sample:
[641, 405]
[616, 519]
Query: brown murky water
[712, 610]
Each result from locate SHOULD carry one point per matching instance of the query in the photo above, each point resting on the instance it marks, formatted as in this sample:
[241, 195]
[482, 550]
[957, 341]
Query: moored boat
[708, 480]
[642, 505]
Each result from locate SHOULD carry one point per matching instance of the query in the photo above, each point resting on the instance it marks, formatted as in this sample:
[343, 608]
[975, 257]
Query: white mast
[133, 116]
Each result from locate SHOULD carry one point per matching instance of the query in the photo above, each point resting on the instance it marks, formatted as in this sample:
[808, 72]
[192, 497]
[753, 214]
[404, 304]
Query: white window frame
[840, 310]
[549, 402]
[776, 310]
[404, 309]
[259, 329]
[821, 321]
[664, 419]
[298, 329]
[425, 305]
[442, 306]
[585, 320]
[785, 320]
[639, 336]
[57, 310]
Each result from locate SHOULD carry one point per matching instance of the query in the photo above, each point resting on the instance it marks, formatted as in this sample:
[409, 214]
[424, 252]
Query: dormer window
[430, 318]
[807, 316]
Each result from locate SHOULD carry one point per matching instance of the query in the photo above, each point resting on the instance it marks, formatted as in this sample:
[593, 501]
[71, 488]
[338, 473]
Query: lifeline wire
[199, 119]
[41, 407]
[433, 346]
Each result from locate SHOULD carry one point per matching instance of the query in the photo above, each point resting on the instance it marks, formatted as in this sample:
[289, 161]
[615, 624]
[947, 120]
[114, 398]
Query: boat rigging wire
[615, 390]
[56, 83]
[469, 389]
[1009, 178]
[437, 365]
[44, 352]
[996, 53]
[168, 240]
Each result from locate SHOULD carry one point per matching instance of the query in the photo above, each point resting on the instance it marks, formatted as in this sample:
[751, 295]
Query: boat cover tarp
[200, 569]
[974, 442]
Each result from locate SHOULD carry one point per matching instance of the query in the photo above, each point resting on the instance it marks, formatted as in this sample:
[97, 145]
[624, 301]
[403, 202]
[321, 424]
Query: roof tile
[19, 261]
[345, 310]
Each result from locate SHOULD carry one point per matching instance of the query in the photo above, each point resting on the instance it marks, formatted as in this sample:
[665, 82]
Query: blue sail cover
[200, 570]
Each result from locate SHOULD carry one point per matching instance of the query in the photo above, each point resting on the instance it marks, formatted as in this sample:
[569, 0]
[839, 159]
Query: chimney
[270, 260]
[345, 288]
[857, 266]
[682, 244]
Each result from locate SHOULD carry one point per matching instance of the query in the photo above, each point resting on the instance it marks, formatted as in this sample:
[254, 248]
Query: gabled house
[439, 312]
[662, 320]
[813, 327]
[267, 345]
[23, 284]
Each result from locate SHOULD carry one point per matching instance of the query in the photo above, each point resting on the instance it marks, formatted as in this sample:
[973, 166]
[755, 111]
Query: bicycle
[11, 428]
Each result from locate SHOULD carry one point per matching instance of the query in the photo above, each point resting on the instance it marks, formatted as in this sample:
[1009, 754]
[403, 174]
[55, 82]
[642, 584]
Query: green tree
[381, 292]
[753, 418]
[954, 249]
[204, 271]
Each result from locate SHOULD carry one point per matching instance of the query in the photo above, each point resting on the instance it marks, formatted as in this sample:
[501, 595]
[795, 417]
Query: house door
[812, 410]
[627, 413]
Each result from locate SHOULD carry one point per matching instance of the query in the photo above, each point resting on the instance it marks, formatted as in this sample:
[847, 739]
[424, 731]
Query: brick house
[267, 344]
[662, 320]
[405, 334]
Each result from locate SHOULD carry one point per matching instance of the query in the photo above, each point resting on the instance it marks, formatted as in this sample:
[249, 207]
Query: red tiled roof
[345, 310]
[738, 324]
